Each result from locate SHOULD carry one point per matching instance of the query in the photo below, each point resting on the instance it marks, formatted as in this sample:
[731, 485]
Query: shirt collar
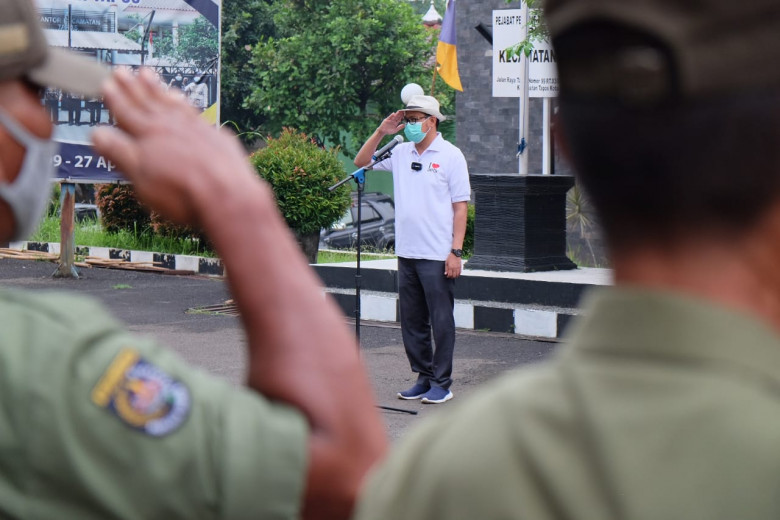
[664, 325]
[436, 144]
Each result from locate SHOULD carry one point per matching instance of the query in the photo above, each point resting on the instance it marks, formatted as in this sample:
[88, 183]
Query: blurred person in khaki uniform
[665, 401]
[96, 423]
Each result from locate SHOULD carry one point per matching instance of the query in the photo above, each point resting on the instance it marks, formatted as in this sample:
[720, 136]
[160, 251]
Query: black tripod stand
[360, 179]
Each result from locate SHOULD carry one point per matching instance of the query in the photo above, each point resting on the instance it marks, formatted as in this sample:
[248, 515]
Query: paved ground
[155, 305]
[581, 275]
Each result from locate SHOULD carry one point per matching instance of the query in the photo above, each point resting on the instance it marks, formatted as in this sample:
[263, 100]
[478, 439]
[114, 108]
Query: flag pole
[433, 83]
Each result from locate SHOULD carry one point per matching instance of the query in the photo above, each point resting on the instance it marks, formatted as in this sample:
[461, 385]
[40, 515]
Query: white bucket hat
[426, 105]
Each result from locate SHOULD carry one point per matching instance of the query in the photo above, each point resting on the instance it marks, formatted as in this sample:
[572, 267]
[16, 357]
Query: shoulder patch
[142, 395]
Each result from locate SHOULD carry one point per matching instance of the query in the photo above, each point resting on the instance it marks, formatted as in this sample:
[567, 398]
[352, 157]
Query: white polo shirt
[424, 198]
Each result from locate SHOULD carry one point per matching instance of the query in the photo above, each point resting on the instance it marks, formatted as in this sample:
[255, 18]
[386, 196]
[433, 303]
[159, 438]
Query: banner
[80, 163]
[179, 39]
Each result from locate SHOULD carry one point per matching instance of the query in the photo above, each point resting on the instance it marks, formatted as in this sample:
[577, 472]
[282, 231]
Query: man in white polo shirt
[432, 190]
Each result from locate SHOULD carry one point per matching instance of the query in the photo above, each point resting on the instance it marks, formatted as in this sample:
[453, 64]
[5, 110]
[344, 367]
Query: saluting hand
[393, 123]
[176, 160]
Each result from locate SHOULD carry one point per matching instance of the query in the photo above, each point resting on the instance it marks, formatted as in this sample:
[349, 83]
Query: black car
[83, 211]
[378, 225]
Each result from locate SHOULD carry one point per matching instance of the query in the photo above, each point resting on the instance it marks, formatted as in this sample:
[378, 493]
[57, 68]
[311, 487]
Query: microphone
[378, 155]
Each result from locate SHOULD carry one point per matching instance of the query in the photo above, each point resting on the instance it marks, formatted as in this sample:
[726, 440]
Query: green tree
[243, 25]
[197, 44]
[537, 29]
[337, 68]
[135, 32]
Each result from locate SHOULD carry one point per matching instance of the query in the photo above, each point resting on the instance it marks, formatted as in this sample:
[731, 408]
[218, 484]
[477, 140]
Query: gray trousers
[427, 302]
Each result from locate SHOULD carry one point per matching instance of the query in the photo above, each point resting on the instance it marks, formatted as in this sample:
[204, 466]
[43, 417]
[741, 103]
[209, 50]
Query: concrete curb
[548, 323]
[537, 305]
[195, 264]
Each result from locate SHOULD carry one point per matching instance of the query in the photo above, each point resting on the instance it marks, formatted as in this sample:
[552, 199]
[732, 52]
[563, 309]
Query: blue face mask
[413, 132]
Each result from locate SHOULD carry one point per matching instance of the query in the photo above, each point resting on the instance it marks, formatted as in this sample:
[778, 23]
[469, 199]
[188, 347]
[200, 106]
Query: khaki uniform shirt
[661, 408]
[97, 424]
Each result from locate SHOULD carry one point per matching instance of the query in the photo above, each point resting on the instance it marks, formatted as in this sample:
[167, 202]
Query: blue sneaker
[436, 395]
[415, 392]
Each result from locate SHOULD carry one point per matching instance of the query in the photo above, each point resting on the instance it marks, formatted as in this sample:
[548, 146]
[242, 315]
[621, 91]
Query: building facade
[487, 129]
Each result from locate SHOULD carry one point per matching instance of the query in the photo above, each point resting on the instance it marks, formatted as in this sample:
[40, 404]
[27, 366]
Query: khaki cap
[24, 53]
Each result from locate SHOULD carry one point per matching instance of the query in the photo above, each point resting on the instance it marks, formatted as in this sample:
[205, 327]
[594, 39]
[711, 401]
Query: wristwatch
[457, 252]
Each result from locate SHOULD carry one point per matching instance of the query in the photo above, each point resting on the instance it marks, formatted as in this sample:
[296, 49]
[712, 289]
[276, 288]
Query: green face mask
[413, 132]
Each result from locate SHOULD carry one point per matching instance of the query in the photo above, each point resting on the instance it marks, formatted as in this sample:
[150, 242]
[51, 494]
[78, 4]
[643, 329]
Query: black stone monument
[520, 222]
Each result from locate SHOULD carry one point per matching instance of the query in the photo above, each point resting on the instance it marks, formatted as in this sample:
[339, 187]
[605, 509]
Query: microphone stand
[359, 176]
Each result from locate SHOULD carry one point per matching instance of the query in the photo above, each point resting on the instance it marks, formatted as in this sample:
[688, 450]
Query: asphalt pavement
[160, 306]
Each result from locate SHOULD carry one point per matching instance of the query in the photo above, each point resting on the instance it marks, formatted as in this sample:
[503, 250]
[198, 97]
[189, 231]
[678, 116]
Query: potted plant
[300, 173]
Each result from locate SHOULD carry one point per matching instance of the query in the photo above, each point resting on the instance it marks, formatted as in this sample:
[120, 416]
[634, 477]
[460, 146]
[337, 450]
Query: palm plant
[579, 217]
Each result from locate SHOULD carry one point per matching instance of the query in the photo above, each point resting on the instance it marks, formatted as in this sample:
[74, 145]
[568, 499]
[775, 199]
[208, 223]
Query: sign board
[508, 30]
[542, 71]
[179, 39]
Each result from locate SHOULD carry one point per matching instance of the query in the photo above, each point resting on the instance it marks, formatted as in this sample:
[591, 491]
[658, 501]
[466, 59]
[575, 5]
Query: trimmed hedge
[120, 210]
[165, 228]
[300, 173]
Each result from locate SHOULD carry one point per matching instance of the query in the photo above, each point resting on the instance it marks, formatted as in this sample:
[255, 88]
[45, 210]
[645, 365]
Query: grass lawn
[89, 233]
[332, 257]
